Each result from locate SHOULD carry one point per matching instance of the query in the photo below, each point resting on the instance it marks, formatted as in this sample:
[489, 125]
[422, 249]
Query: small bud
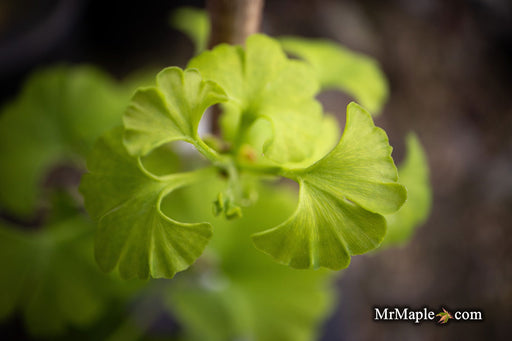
[218, 205]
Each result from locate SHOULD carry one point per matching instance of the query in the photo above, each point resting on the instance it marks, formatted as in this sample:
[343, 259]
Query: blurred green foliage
[194, 23]
[414, 175]
[55, 119]
[342, 69]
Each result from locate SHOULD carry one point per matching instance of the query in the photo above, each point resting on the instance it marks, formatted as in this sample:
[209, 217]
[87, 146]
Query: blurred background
[449, 66]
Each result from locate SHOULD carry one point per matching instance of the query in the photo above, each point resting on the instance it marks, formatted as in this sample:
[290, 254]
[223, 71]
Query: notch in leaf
[341, 202]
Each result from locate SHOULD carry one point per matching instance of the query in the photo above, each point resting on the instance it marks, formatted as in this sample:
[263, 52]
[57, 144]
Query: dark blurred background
[449, 65]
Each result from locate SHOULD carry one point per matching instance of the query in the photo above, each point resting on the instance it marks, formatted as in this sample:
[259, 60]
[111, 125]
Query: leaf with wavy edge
[413, 173]
[341, 201]
[133, 233]
[339, 68]
[169, 111]
[263, 84]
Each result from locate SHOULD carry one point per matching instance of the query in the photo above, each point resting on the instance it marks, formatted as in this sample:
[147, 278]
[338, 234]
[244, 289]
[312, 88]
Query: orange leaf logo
[444, 316]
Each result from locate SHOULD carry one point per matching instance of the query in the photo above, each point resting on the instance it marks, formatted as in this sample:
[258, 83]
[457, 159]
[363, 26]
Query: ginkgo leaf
[169, 111]
[193, 22]
[413, 173]
[341, 201]
[263, 84]
[50, 276]
[339, 68]
[236, 292]
[133, 233]
[56, 118]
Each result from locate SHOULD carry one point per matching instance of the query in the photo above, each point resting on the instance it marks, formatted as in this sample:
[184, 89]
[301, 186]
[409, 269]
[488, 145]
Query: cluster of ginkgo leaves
[154, 204]
[272, 126]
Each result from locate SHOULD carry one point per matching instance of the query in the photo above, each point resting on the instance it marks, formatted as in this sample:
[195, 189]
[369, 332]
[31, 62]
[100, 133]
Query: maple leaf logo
[444, 316]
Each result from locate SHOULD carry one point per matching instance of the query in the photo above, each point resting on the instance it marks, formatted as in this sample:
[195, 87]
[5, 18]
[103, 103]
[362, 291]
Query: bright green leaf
[236, 292]
[339, 68]
[56, 118]
[341, 200]
[194, 23]
[170, 111]
[263, 84]
[413, 174]
[133, 233]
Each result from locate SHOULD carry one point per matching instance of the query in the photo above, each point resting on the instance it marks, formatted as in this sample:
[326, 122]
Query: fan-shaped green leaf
[339, 68]
[170, 111]
[133, 233]
[262, 83]
[341, 200]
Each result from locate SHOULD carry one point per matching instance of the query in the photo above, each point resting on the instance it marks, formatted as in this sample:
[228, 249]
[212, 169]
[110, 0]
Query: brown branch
[232, 21]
